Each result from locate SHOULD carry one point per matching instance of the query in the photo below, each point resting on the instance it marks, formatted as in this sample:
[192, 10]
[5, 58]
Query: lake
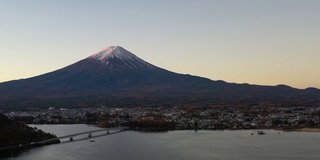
[179, 145]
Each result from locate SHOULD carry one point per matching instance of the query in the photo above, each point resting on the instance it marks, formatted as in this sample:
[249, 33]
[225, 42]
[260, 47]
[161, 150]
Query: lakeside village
[177, 118]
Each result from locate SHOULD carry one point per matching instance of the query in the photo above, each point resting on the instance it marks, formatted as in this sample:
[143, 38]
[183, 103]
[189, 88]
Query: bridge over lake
[69, 138]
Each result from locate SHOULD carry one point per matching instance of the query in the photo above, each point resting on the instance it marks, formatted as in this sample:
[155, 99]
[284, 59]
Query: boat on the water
[261, 132]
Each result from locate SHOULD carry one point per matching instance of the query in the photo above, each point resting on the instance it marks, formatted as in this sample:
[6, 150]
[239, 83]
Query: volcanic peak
[110, 54]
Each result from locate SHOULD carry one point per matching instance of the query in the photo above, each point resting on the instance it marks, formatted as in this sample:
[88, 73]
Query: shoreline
[306, 129]
[299, 129]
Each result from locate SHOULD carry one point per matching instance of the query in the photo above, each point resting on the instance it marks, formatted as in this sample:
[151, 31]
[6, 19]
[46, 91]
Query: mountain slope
[116, 76]
[110, 69]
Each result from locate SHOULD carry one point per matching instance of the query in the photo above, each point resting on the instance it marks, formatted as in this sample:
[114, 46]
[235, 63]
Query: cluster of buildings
[212, 118]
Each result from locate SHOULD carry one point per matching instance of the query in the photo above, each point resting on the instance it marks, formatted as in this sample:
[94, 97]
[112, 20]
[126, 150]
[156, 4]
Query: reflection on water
[179, 145]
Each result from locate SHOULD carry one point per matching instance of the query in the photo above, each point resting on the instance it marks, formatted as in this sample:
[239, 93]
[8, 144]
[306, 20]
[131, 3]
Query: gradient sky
[266, 42]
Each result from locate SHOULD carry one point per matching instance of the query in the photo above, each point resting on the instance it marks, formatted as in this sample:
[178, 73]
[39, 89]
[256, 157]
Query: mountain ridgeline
[116, 77]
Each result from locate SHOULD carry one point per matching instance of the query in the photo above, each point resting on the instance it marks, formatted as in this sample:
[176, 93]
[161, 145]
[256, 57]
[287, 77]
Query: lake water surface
[179, 145]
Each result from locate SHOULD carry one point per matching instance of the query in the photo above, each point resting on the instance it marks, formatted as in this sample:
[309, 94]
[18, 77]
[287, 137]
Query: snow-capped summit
[116, 57]
[108, 52]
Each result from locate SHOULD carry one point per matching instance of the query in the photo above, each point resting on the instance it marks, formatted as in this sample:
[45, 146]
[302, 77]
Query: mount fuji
[115, 76]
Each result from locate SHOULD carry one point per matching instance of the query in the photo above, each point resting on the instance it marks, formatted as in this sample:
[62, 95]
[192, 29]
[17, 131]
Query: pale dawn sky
[265, 42]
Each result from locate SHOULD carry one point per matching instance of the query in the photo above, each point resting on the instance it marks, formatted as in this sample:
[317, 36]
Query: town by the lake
[177, 118]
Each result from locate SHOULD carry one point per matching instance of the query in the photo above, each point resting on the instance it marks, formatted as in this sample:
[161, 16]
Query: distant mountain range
[116, 77]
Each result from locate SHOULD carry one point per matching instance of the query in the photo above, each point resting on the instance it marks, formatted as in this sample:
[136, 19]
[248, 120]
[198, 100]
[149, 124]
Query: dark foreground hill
[116, 77]
[13, 133]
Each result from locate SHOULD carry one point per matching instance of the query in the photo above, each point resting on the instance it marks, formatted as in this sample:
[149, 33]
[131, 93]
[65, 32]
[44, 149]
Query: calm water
[179, 145]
